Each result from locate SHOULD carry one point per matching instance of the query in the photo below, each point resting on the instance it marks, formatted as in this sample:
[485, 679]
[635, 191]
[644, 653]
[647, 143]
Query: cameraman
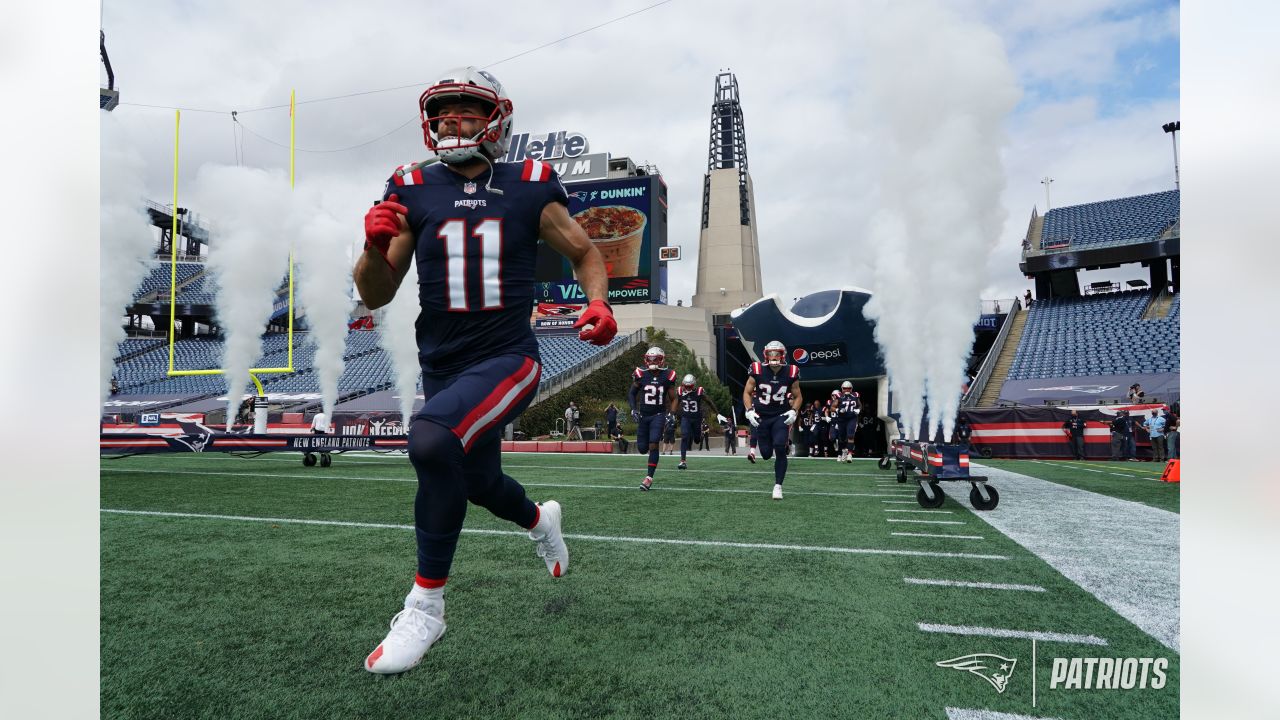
[1135, 393]
[571, 419]
[1121, 433]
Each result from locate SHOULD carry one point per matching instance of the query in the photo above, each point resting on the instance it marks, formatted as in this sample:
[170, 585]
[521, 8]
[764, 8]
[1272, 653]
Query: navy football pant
[690, 434]
[455, 447]
[649, 438]
[846, 428]
[772, 436]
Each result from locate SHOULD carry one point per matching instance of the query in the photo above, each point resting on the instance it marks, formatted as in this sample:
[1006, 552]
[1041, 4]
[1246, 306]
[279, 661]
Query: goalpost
[173, 268]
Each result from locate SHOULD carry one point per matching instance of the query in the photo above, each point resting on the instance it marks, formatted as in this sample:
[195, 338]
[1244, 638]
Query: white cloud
[641, 87]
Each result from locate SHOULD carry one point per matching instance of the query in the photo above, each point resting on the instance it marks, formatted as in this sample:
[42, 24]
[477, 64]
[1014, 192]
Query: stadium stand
[366, 365]
[1111, 222]
[1097, 335]
[158, 279]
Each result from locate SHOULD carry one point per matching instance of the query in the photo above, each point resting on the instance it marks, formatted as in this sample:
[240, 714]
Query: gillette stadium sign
[555, 145]
[565, 151]
[828, 354]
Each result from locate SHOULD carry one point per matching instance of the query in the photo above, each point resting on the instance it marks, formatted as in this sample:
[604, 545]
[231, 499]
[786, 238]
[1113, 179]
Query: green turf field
[700, 599]
[1136, 481]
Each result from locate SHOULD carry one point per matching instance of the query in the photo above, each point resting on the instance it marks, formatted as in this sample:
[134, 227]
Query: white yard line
[926, 522]
[1122, 552]
[975, 585]
[573, 536]
[970, 714]
[933, 535]
[931, 512]
[1042, 636]
[322, 475]
[634, 462]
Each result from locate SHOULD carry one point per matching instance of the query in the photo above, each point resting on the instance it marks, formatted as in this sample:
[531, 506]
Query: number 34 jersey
[771, 388]
[475, 253]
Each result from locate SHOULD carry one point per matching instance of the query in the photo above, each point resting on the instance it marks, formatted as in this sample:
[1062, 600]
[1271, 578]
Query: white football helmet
[846, 386]
[467, 83]
[654, 358]
[689, 382]
[775, 354]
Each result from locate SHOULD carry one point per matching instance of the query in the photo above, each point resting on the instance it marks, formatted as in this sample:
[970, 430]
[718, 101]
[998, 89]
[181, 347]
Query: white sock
[426, 599]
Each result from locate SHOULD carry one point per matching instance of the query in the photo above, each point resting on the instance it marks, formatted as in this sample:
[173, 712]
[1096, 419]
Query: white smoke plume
[396, 334]
[323, 290]
[936, 109]
[127, 237]
[255, 218]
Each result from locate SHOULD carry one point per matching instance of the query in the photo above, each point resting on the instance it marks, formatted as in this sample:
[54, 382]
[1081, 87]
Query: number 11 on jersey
[454, 234]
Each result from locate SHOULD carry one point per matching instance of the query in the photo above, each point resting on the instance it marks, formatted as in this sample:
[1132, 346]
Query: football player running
[689, 402]
[653, 402]
[772, 398]
[847, 407]
[472, 225]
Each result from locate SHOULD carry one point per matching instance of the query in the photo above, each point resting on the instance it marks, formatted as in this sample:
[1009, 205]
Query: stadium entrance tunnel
[826, 335]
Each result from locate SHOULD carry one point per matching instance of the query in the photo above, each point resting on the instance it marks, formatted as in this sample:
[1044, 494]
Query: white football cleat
[646, 483]
[412, 633]
[751, 455]
[550, 543]
[777, 492]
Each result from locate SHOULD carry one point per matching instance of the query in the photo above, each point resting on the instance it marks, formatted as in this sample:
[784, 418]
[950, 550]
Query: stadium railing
[989, 362]
[572, 375]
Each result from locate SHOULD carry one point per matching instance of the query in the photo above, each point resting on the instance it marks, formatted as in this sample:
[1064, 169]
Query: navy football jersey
[475, 254]
[772, 386]
[848, 406]
[655, 389]
[690, 403]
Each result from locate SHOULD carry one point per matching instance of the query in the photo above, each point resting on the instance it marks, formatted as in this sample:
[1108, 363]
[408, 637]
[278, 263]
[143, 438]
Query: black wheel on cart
[986, 453]
[326, 459]
[309, 459]
[939, 497]
[902, 475]
[884, 462]
[975, 498]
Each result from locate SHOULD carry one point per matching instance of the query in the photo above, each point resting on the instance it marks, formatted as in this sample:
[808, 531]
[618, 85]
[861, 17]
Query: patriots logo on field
[800, 355]
[992, 668]
[469, 188]
[1089, 389]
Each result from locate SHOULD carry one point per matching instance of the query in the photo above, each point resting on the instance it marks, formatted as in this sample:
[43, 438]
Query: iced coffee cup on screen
[617, 232]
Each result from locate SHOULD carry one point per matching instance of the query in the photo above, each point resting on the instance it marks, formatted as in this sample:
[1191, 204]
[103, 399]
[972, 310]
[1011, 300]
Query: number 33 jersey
[475, 254]
[771, 388]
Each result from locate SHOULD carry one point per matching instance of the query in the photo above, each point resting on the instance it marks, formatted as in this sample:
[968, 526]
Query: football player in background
[472, 225]
[653, 401]
[772, 398]
[689, 404]
[847, 406]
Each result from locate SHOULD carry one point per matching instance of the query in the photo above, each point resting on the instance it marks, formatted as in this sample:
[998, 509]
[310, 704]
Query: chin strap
[487, 183]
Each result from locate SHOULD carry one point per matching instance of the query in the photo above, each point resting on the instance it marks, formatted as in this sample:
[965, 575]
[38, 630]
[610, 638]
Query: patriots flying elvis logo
[992, 668]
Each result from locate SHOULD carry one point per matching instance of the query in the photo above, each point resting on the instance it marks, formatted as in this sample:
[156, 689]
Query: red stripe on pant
[492, 400]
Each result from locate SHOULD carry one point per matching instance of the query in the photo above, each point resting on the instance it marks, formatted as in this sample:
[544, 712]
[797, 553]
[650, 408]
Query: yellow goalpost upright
[173, 266]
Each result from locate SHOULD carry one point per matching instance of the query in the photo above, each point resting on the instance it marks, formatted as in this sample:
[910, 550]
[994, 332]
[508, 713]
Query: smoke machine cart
[931, 463]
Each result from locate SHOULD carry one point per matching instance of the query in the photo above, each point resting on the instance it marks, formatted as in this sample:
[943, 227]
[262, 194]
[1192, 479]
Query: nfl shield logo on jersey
[469, 188]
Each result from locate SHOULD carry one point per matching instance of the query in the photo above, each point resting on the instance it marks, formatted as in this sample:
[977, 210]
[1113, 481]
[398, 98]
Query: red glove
[600, 327]
[381, 224]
